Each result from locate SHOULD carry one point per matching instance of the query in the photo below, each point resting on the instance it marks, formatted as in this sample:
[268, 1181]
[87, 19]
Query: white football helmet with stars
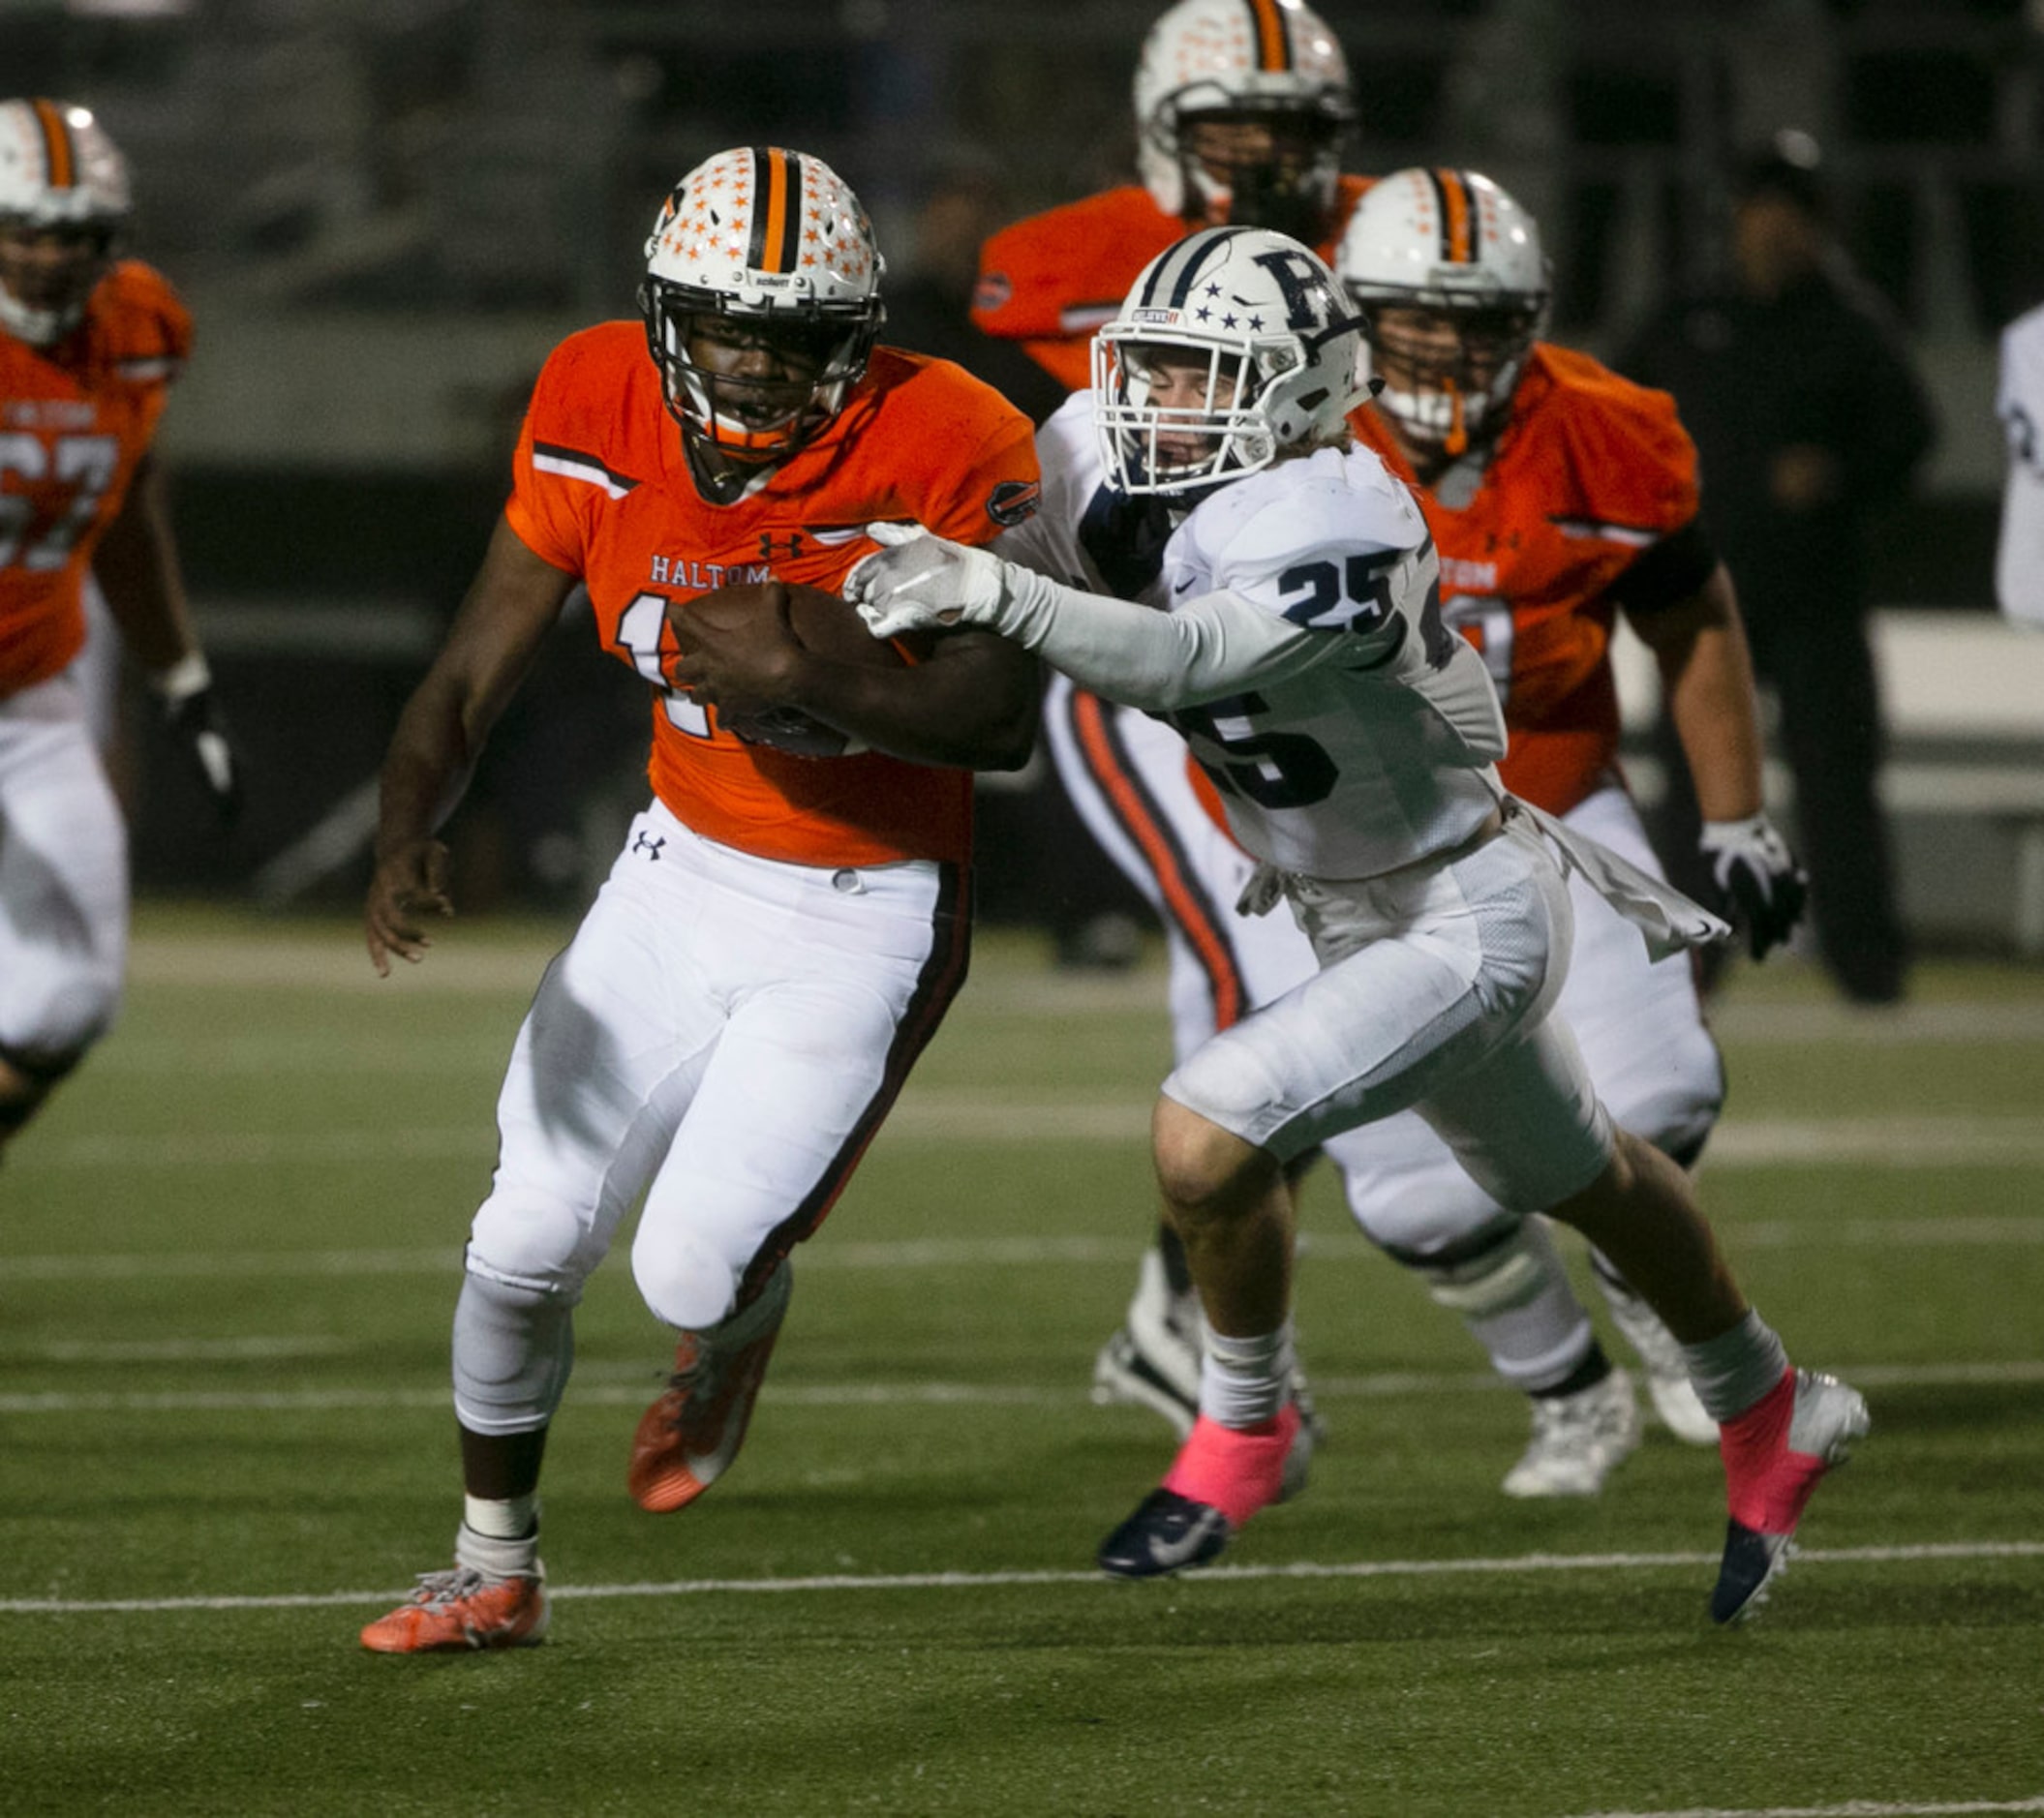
[1449, 242]
[1282, 352]
[1275, 60]
[776, 239]
[59, 174]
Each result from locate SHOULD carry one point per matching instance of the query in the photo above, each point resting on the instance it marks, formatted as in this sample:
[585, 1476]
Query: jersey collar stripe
[1631, 536]
[1077, 318]
[1274, 42]
[776, 210]
[1451, 195]
[570, 464]
[58, 157]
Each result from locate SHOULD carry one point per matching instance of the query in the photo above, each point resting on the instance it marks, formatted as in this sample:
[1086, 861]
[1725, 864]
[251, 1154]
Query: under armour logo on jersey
[651, 844]
[785, 547]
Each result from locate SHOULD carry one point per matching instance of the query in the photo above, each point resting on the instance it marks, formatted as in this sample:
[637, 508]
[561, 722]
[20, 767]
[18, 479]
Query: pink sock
[1765, 1488]
[1235, 1471]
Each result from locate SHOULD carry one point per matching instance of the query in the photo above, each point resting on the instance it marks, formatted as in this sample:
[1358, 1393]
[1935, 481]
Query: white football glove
[915, 580]
[1760, 883]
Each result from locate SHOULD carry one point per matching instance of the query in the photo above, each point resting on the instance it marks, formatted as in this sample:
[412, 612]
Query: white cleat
[1153, 1361]
[1660, 1352]
[1578, 1440]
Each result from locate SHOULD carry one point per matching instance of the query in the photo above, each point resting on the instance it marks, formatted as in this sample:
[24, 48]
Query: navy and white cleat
[1167, 1534]
[1775, 1456]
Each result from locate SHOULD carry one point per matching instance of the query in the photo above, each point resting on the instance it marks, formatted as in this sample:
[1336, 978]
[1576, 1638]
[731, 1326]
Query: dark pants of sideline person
[1832, 739]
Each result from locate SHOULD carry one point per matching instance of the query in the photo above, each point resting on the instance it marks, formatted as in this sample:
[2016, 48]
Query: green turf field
[229, 1252]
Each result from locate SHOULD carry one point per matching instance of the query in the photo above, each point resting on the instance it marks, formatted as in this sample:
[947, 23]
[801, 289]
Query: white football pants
[63, 882]
[1638, 1025]
[724, 1033]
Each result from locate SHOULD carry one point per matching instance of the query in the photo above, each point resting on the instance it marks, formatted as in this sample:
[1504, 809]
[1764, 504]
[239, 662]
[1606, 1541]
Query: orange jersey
[603, 488]
[76, 420]
[1050, 280]
[1591, 471]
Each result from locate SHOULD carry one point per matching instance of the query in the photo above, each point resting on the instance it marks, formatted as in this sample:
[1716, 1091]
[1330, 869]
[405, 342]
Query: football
[821, 622]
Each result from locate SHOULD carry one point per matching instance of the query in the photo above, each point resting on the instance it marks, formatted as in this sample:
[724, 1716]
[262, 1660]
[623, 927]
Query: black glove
[185, 694]
[1759, 885]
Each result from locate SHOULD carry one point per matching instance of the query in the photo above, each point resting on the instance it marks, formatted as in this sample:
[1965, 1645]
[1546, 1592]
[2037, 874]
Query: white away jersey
[2019, 562]
[1348, 730]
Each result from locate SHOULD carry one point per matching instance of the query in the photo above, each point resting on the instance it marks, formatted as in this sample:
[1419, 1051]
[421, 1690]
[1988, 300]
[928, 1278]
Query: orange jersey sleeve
[76, 420]
[1050, 280]
[602, 489]
[1592, 472]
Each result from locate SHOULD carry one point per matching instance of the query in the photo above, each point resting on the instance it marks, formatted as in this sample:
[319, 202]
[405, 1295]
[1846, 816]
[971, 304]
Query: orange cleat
[463, 1609]
[688, 1438]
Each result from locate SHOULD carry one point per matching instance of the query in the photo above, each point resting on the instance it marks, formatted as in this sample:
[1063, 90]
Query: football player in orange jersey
[781, 934]
[1240, 110]
[89, 345]
[1560, 495]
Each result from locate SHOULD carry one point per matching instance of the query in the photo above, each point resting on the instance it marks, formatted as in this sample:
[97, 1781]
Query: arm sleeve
[1668, 572]
[1207, 647]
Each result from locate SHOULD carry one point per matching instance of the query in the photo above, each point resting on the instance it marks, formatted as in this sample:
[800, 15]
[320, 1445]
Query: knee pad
[526, 1237]
[690, 1284]
[514, 1345]
[1506, 1268]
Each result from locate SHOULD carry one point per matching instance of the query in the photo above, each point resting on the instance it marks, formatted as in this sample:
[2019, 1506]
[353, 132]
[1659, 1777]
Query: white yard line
[832, 1252]
[962, 1117]
[1851, 1808]
[1529, 1563]
[627, 1383]
[461, 964]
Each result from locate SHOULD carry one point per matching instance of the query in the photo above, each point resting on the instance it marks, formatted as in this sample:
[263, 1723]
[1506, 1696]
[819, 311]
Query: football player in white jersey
[2019, 557]
[1353, 738]
[1640, 1024]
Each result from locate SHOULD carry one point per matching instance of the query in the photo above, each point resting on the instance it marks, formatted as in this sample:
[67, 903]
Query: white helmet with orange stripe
[761, 299]
[63, 202]
[1240, 110]
[1447, 272]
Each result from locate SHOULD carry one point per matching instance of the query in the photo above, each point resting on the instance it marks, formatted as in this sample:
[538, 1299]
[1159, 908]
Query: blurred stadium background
[385, 212]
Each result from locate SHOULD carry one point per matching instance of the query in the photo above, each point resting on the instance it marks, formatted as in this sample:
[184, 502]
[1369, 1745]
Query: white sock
[1734, 1370]
[1244, 1381]
[496, 1558]
[511, 1519]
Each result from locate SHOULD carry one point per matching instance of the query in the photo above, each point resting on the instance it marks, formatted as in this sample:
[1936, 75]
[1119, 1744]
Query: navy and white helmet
[1282, 349]
[1271, 59]
[59, 172]
[1451, 242]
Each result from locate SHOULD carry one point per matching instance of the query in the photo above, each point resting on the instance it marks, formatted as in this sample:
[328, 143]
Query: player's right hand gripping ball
[821, 622]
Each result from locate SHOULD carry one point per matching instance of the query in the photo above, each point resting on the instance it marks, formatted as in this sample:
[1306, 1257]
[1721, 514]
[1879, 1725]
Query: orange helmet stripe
[1459, 237]
[57, 153]
[1274, 43]
[776, 210]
